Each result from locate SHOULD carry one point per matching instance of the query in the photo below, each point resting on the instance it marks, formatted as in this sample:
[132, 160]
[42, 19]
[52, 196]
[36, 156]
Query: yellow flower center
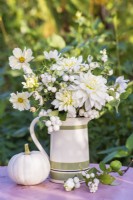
[21, 59]
[20, 100]
[92, 84]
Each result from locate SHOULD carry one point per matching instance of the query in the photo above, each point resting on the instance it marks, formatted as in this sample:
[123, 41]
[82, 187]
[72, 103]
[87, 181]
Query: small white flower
[121, 84]
[20, 101]
[21, 59]
[52, 55]
[93, 65]
[89, 183]
[104, 57]
[49, 88]
[37, 96]
[76, 179]
[31, 81]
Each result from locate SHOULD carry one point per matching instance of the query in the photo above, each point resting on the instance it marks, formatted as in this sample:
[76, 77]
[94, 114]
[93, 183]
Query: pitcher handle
[34, 138]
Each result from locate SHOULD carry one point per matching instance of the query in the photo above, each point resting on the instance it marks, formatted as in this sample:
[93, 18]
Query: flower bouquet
[66, 92]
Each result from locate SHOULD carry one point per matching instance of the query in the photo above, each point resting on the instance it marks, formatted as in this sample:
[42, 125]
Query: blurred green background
[74, 27]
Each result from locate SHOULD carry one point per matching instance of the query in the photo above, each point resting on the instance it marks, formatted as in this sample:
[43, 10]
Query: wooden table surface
[52, 191]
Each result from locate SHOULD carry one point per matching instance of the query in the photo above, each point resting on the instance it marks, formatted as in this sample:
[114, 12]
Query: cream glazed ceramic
[69, 149]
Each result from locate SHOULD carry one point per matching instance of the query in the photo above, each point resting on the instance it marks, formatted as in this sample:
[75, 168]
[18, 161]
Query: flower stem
[26, 148]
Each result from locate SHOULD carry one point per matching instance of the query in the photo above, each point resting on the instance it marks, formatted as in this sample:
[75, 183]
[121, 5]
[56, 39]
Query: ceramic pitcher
[69, 149]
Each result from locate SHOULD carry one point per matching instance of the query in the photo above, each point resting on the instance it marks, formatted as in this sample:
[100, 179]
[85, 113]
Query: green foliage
[78, 28]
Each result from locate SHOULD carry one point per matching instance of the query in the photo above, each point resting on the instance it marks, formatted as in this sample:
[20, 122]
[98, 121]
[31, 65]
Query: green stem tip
[26, 148]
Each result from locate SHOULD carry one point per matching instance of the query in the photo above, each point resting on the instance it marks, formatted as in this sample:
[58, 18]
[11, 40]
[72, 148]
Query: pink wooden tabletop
[52, 191]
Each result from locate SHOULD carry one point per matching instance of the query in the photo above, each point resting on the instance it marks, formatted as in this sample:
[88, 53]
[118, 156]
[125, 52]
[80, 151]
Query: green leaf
[122, 153]
[62, 115]
[106, 179]
[112, 149]
[56, 41]
[110, 156]
[129, 142]
[93, 170]
[54, 113]
[43, 118]
[126, 94]
[102, 166]
[21, 132]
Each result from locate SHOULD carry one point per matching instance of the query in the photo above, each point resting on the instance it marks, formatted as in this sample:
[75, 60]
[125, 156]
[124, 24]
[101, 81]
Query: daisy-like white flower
[20, 101]
[95, 88]
[21, 59]
[121, 84]
[52, 55]
[31, 81]
[68, 64]
[65, 100]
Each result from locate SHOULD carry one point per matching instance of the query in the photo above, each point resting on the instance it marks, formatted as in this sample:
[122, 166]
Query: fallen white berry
[76, 179]
[77, 185]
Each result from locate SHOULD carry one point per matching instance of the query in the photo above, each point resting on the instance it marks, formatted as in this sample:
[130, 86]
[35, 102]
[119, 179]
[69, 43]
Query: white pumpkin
[29, 168]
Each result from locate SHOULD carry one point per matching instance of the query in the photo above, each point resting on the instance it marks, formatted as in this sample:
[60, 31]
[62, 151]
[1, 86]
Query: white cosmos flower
[20, 101]
[121, 84]
[31, 81]
[21, 59]
[68, 64]
[95, 88]
[65, 100]
[51, 55]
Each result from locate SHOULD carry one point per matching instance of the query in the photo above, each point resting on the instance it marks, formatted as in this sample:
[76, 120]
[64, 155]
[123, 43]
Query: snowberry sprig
[53, 124]
[71, 184]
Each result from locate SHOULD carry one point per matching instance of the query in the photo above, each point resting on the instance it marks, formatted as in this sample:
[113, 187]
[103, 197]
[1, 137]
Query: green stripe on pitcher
[69, 166]
[63, 176]
[73, 127]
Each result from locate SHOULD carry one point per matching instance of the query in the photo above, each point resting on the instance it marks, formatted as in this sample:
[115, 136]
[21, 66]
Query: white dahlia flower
[20, 101]
[66, 100]
[21, 59]
[95, 88]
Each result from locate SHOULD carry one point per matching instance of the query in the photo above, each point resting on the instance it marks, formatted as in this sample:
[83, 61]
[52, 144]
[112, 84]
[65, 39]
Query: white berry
[92, 175]
[87, 176]
[81, 112]
[76, 179]
[77, 185]
[56, 128]
[65, 78]
[53, 118]
[71, 78]
[50, 129]
[48, 123]
[53, 89]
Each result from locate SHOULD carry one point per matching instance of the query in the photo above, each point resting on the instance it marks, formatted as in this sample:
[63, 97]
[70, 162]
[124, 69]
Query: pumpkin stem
[26, 148]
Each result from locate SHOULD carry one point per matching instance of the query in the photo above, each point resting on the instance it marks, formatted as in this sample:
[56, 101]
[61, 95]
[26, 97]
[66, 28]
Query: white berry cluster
[48, 81]
[68, 78]
[91, 181]
[53, 124]
[71, 184]
[47, 78]
[91, 114]
[44, 112]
